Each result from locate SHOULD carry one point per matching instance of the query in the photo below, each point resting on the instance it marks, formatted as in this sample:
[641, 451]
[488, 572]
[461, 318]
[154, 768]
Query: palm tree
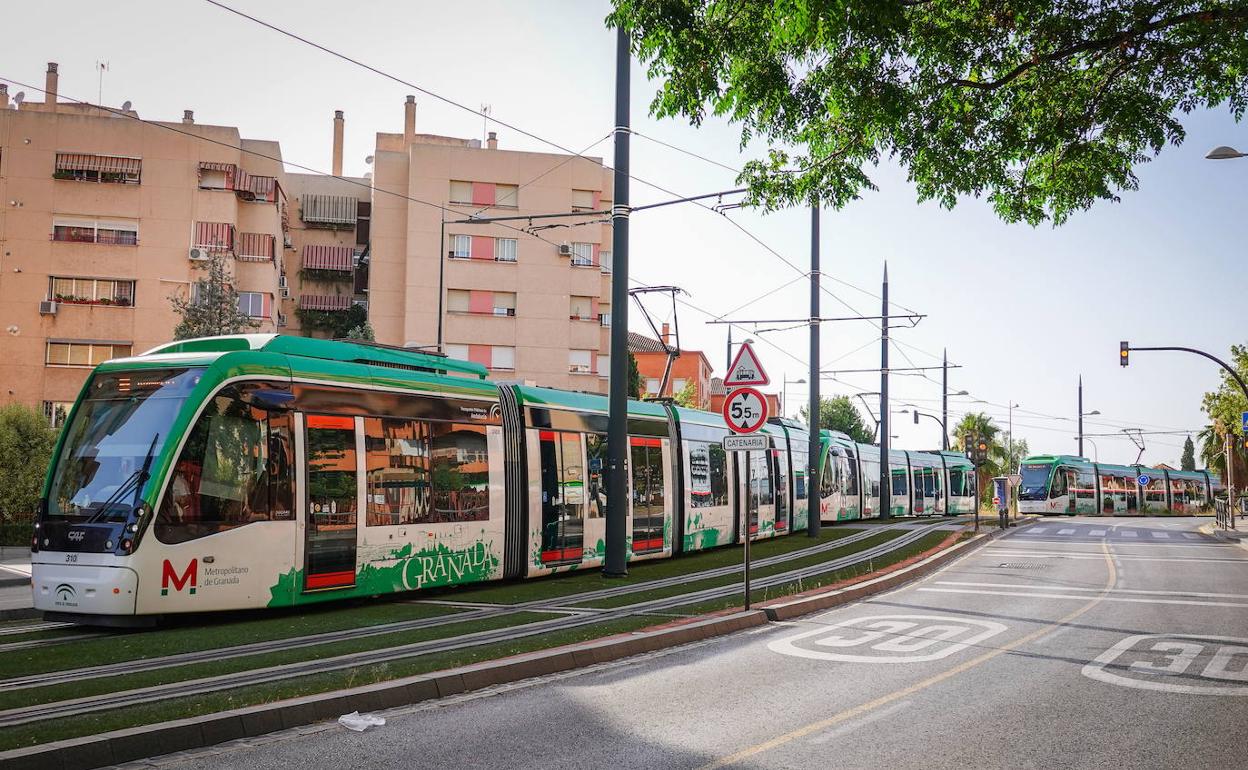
[998, 463]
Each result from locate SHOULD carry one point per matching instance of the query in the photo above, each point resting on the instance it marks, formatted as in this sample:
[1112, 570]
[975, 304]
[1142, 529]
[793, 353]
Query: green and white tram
[1063, 484]
[269, 471]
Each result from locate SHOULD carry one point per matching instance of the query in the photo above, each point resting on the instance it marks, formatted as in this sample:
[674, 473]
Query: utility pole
[616, 562]
[885, 477]
[813, 512]
[1081, 415]
[728, 359]
[944, 398]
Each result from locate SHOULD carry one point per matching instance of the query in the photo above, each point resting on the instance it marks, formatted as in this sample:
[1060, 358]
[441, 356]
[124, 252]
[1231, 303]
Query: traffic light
[916, 416]
[981, 451]
[1124, 349]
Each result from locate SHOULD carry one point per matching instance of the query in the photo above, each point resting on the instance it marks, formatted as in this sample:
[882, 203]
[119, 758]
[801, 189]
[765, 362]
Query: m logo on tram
[167, 575]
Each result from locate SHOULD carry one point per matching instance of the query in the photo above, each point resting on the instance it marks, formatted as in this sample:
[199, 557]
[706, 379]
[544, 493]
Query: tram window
[780, 472]
[1058, 485]
[648, 495]
[1086, 485]
[851, 477]
[461, 472]
[563, 493]
[957, 483]
[397, 459]
[708, 475]
[827, 480]
[899, 482]
[234, 470]
[596, 454]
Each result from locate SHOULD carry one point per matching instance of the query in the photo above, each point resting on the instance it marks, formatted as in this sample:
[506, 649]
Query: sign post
[745, 411]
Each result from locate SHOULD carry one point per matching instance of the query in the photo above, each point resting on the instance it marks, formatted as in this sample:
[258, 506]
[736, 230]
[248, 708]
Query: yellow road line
[884, 700]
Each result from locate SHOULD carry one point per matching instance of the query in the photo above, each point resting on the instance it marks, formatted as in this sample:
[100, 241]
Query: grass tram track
[571, 618]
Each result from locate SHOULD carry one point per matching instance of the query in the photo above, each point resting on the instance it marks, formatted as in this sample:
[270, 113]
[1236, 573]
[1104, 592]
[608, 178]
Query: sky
[1023, 311]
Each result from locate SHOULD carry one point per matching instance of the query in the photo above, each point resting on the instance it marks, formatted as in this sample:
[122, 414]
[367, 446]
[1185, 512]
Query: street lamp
[1225, 153]
[784, 393]
[1096, 452]
[1010, 434]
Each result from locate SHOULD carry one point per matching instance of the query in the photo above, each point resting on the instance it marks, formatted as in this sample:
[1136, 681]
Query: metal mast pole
[1081, 415]
[885, 477]
[944, 399]
[616, 563]
[728, 360]
[813, 467]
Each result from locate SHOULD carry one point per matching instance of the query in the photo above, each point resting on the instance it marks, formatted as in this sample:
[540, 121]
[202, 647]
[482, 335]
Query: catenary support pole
[441, 278]
[616, 563]
[813, 512]
[944, 399]
[886, 480]
[1081, 415]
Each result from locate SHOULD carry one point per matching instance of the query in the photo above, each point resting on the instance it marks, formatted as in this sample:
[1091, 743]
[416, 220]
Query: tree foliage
[839, 413]
[634, 377]
[362, 331]
[1001, 461]
[688, 396]
[337, 324]
[1225, 407]
[1188, 461]
[211, 307]
[26, 442]
[1043, 107]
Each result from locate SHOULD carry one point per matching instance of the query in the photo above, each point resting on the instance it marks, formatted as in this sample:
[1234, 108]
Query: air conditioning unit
[565, 249]
[281, 281]
[199, 255]
[288, 242]
[47, 307]
[285, 292]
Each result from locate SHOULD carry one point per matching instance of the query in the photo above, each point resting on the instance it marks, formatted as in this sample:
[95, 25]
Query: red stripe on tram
[639, 441]
[330, 422]
[648, 545]
[331, 579]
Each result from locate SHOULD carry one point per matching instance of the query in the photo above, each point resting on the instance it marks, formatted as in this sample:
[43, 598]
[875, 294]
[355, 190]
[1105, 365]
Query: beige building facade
[104, 218]
[530, 302]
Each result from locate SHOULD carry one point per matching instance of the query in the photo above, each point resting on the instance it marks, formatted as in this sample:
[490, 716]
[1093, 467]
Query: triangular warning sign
[745, 370]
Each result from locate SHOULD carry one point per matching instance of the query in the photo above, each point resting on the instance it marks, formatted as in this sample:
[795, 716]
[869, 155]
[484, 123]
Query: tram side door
[331, 500]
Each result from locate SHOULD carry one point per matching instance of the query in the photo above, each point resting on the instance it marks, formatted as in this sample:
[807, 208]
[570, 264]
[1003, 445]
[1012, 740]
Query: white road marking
[1161, 535]
[891, 638]
[1128, 557]
[1038, 595]
[1092, 590]
[1035, 531]
[1130, 533]
[1097, 533]
[1067, 531]
[1191, 535]
[1179, 651]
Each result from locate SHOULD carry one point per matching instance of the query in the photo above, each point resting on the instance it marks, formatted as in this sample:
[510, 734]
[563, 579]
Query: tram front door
[331, 500]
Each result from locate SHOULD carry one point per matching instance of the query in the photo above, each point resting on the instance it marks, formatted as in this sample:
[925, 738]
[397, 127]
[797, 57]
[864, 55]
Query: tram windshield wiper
[134, 480]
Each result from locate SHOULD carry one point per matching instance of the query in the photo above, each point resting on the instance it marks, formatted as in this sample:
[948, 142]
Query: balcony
[104, 236]
[83, 167]
[325, 302]
[331, 211]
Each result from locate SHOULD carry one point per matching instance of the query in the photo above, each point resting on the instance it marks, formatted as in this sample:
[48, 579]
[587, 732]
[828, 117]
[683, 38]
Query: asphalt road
[1080, 643]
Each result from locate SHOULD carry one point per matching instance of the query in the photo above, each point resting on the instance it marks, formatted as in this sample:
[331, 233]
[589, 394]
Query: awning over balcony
[324, 302]
[255, 246]
[328, 258]
[214, 236]
[229, 169]
[262, 188]
[106, 164]
[328, 209]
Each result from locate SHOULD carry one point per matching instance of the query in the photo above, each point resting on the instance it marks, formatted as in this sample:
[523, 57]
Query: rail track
[570, 617]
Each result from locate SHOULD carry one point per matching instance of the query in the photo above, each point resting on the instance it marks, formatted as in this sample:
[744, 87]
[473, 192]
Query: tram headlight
[127, 545]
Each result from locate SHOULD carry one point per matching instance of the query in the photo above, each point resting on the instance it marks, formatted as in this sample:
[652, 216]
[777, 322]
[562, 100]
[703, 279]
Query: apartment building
[104, 217]
[528, 299]
[324, 281]
[691, 366]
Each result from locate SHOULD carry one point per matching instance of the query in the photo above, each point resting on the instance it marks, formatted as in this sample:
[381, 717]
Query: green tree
[1224, 407]
[26, 442]
[688, 396]
[839, 413]
[211, 307]
[1188, 461]
[1042, 107]
[634, 377]
[999, 460]
[362, 331]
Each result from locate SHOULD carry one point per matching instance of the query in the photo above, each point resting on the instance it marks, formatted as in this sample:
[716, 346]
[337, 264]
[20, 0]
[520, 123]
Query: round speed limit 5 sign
[745, 410]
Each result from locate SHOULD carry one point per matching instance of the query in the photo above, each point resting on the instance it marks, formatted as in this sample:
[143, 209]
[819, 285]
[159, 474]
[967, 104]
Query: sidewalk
[14, 566]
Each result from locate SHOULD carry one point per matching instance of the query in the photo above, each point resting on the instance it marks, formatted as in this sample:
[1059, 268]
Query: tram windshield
[1035, 482]
[113, 438]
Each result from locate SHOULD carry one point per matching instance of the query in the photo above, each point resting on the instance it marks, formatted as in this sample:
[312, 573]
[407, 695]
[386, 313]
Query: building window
[83, 167]
[461, 247]
[499, 303]
[580, 361]
[506, 196]
[84, 353]
[583, 254]
[582, 308]
[217, 176]
[604, 316]
[582, 200]
[91, 291]
[505, 249]
[461, 192]
[213, 236]
[502, 357]
[605, 258]
[56, 412]
[505, 303]
[458, 301]
[678, 385]
[95, 231]
[652, 386]
[457, 351]
[604, 366]
[254, 303]
[256, 246]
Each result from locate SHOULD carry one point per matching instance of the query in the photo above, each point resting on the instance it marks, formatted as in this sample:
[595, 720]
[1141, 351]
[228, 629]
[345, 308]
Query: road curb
[14, 582]
[787, 610]
[145, 741]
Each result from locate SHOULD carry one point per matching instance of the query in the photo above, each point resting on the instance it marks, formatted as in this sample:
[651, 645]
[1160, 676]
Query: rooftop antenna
[485, 121]
[102, 66]
[18, 98]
